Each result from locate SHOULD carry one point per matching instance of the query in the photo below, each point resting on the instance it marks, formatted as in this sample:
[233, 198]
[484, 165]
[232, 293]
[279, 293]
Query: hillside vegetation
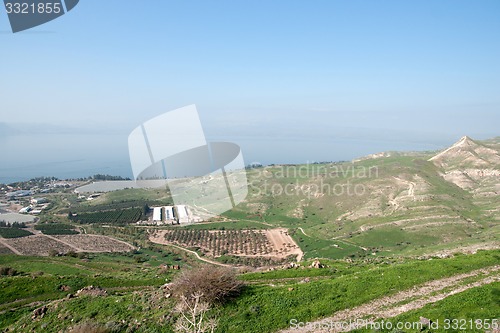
[392, 203]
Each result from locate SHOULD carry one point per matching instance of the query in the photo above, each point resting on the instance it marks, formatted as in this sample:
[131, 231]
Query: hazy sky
[264, 71]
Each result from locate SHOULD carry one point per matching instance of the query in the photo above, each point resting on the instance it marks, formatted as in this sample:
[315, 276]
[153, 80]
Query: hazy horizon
[74, 155]
[310, 82]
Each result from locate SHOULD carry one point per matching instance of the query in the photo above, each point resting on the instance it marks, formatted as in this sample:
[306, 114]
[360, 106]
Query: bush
[82, 255]
[140, 259]
[8, 271]
[215, 284]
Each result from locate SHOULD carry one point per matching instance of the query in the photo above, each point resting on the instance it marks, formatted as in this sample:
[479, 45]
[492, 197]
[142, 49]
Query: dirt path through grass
[302, 230]
[404, 301]
[74, 247]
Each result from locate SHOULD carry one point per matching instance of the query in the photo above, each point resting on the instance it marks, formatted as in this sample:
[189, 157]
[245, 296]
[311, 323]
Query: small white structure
[171, 215]
[93, 196]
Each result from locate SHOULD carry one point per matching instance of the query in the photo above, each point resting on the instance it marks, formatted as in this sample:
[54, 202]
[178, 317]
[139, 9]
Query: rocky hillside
[475, 167]
[470, 164]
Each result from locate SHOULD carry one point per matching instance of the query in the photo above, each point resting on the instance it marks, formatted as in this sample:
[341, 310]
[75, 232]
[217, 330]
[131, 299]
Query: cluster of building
[37, 205]
[170, 215]
[21, 191]
[30, 205]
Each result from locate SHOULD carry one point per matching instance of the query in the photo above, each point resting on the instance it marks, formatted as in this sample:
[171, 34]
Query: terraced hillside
[389, 203]
[474, 167]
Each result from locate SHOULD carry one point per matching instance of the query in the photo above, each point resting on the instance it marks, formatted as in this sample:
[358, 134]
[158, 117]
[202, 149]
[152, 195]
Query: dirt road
[407, 300]
[2, 241]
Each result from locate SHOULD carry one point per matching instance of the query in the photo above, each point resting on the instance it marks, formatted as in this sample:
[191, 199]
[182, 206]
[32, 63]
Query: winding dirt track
[302, 230]
[391, 306]
[159, 238]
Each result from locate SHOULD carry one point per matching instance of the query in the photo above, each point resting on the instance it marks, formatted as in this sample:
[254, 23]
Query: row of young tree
[255, 261]
[17, 225]
[221, 242]
[56, 229]
[123, 216]
[14, 232]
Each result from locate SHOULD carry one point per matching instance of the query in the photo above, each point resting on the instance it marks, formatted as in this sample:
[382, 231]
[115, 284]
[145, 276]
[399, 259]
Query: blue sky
[265, 73]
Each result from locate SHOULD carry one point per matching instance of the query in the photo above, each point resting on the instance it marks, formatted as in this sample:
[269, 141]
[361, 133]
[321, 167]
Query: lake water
[23, 157]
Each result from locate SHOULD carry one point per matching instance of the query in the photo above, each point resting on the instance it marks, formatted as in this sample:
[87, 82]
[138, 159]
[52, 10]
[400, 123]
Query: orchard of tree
[123, 216]
[221, 242]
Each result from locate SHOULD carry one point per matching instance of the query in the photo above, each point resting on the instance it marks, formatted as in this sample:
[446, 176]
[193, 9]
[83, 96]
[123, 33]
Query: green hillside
[390, 203]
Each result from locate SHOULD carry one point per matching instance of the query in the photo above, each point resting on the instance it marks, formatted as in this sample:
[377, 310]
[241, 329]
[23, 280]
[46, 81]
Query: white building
[157, 214]
[169, 213]
[183, 214]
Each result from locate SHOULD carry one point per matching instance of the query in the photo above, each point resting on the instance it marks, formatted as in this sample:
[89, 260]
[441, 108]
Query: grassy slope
[266, 305]
[41, 277]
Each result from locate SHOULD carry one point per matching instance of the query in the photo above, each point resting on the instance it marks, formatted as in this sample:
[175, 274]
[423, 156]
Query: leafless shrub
[193, 315]
[215, 284]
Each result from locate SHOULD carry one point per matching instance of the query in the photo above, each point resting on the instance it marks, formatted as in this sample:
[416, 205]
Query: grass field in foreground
[266, 305]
